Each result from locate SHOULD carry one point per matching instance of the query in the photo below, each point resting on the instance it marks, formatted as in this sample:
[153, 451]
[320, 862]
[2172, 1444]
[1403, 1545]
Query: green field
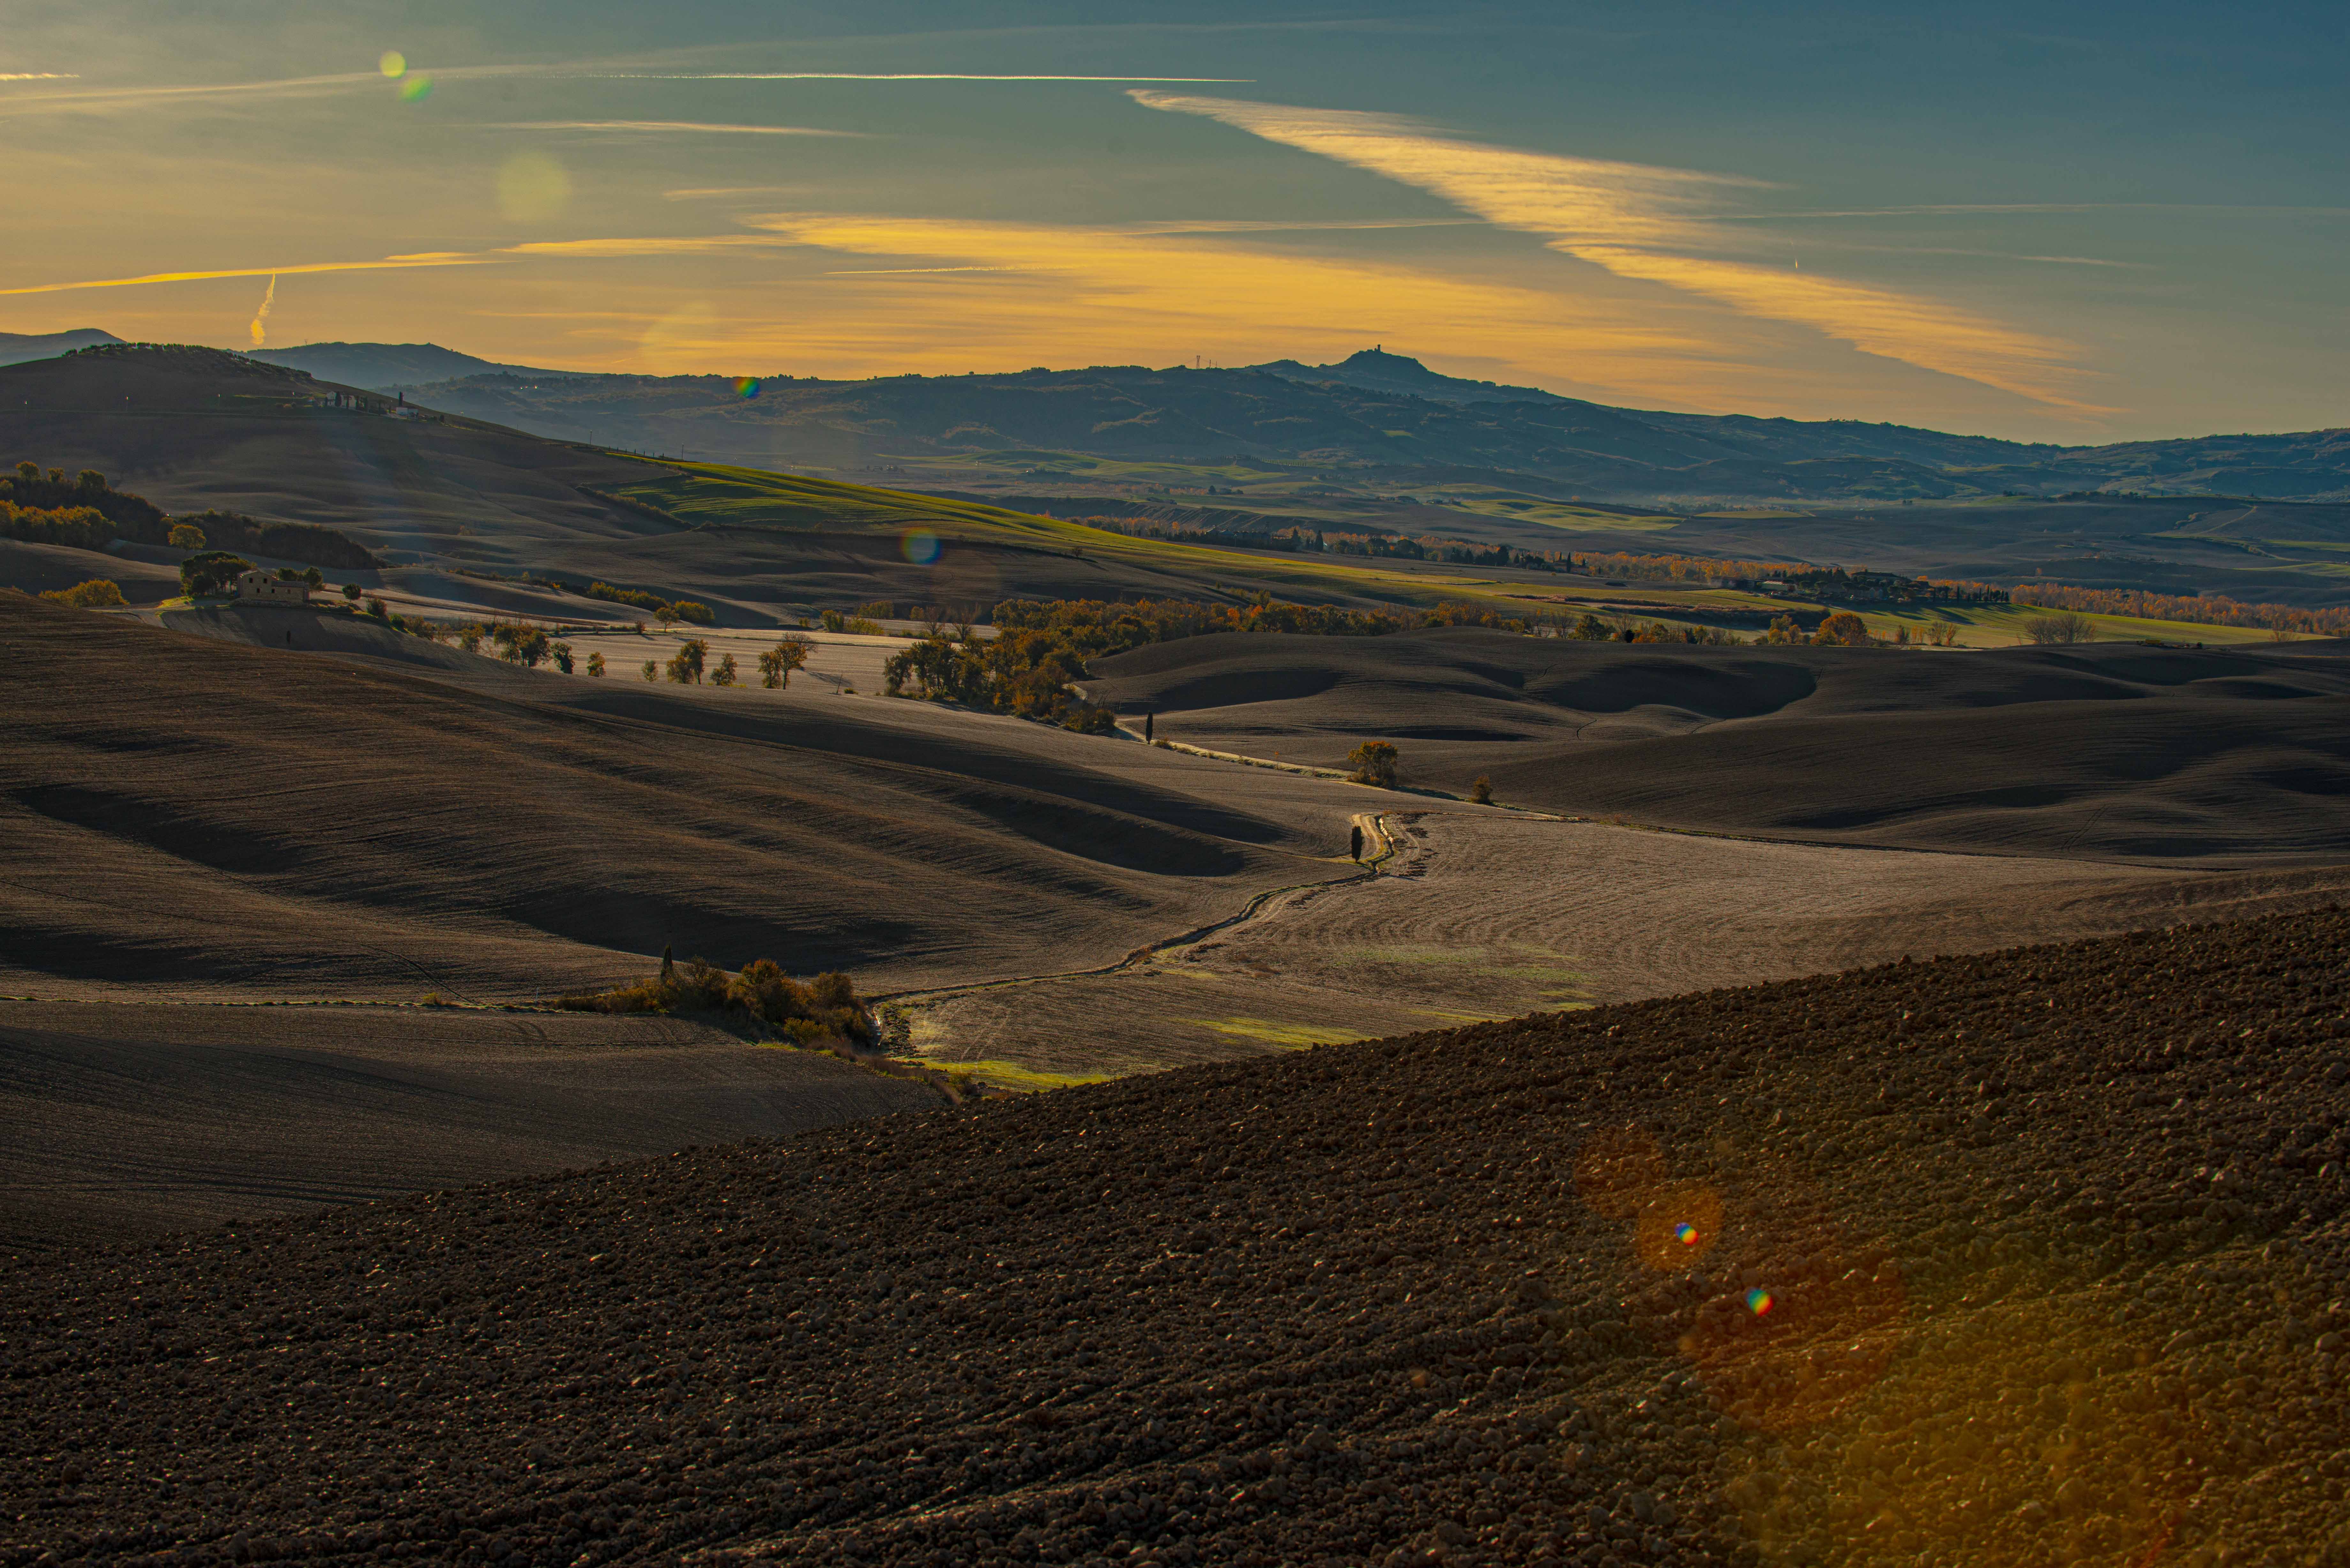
[714, 495]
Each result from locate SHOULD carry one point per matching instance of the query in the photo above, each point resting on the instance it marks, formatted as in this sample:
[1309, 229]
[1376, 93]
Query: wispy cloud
[713, 193]
[947, 293]
[260, 332]
[389, 263]
[684, 127]
[40, 76]
[1283, 225]
[647, 245]
[1659, 225]
[885, 76]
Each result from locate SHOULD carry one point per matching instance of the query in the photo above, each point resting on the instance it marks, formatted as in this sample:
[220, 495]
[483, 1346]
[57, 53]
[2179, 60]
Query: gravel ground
[2036, 1257]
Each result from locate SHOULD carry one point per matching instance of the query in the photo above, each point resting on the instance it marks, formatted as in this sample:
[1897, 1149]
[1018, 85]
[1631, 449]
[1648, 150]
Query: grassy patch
[1012, 1076]
[1273, 1032]
[1561, 514]
[2001, 626]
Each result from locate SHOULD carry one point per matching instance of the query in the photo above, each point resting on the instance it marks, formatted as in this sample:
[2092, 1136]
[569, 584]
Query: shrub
[1481, 790]
[685, 665]
[379, 609]
[725, 674]
[689, 609]
[1591, 628]
[635, 597]
[861, 625]
[469, 638]
[834, 620]
[596, 665]
[651, 670]
[2064, 625]
[522, 644]
[1843, 630]
[187, 537]
[1374, 763]
[561, 653]
[350, 591]
[775, 665]
[95, 594]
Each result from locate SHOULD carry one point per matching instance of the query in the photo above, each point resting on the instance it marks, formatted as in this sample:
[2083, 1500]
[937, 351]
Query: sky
[2050, 221]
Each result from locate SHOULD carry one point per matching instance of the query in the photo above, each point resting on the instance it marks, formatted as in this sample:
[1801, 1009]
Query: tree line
[1042, 647]
[84, 511]
[2202, 610]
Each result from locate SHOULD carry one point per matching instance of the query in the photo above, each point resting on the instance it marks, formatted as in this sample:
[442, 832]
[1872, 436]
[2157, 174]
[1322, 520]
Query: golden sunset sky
[2062, 223]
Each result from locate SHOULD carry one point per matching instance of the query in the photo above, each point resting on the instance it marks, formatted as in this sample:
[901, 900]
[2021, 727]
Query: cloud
[135, 97]
[1659, 225]
[945, 294]
[260, 333]
[710, 193]
[883, 77]
[1284, 225]
[647, 245]
[684, 126]
[389, 263]
[39, 77]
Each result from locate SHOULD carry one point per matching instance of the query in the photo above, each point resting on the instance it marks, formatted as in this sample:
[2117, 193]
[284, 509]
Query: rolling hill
[437, 495]
[1376, 419]
[16, 347]
[2031, 1257]
[535, 833]
[387, 366]
[2239, 755]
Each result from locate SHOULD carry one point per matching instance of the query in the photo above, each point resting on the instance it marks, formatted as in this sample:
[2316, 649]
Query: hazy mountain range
[1373, 421]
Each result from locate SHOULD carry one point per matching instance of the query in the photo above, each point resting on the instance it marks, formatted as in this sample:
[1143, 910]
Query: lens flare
[921, 546]
[1676, 1226]
[746, 387]
[533, 187]
[1758, 1301]
[394, 63]
[416, 89]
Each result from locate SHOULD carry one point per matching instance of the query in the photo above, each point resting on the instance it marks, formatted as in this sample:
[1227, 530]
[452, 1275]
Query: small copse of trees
[816, 1011]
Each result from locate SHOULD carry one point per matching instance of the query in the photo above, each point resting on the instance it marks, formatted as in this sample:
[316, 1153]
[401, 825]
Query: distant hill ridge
[16, 347]
[1372, 412]
[385, 366]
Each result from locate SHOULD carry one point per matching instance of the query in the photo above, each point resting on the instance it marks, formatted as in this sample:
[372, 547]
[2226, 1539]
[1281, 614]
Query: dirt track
[2025, 1258]
[1486, 915]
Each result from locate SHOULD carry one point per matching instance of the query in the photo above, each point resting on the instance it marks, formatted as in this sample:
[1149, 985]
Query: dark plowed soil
[123, 1120]
[2034, 1258]
[2111, 749]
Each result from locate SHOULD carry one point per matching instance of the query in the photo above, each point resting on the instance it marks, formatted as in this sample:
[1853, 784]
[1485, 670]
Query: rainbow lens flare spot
[416, 89]
[1685, 1233]
[746, 387]
[921, 546]
[394, 63]
[1758, 1302]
